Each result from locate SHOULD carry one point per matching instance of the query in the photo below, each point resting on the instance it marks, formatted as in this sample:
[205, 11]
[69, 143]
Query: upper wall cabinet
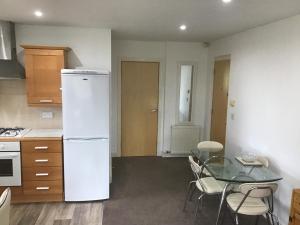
[43, 65]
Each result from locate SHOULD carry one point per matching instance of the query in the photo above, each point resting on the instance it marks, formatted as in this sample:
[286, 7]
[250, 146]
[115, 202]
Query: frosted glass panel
[185, 97]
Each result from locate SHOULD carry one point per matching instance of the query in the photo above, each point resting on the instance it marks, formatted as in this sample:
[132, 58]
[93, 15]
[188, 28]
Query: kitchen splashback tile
[14, 110]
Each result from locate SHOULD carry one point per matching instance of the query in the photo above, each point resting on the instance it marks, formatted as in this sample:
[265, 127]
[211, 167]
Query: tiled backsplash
[14, 110]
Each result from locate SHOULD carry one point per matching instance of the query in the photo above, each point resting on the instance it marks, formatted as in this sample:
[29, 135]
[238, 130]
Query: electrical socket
[47, 115]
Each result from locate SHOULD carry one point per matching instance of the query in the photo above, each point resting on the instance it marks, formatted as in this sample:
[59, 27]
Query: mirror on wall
[185, 93]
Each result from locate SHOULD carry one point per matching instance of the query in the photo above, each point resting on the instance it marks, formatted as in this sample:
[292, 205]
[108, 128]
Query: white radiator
[184, 138]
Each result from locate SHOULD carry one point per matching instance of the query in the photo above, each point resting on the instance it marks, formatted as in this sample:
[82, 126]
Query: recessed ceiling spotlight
[182, 27]
[38, 13]
[226, 1]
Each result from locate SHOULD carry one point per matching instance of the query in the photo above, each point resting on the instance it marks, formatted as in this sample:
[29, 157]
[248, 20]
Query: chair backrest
[258, 190]
[264, 160]
[210, 146]
[194, 166]
[5, 207]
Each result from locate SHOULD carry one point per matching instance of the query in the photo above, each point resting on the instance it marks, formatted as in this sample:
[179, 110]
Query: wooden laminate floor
[57, 214]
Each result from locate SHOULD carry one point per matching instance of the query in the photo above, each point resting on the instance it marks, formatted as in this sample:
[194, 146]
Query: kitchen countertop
[35, 134]
[43, 133]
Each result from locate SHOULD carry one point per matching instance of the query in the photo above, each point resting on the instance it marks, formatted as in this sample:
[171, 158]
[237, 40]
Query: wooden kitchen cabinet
[42, 173]
[43, 66]
[295, 208]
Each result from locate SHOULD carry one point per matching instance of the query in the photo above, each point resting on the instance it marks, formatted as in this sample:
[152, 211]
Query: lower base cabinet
[42, 173]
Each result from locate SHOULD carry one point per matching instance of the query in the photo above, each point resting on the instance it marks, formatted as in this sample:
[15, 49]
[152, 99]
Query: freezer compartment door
[85, 106]
[86, 169]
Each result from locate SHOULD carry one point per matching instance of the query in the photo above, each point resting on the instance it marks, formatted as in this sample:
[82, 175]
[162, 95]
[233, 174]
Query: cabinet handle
[41, 174]
[41, 160]
[42, 188]
[41, 147]
[46, 101]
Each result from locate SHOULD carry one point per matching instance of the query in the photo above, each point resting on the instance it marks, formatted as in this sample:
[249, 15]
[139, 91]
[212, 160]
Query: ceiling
[206, 20]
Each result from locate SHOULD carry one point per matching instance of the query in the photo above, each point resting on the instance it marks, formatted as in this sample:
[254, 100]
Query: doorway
[139, 108]
[220, 101]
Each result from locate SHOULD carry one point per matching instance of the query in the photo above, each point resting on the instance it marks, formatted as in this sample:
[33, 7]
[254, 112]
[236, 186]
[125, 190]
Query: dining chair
[254, 199]
[263, 160]
[207, 146]
[265, 163]
[208, 186]
[196, 170]
[5, 206]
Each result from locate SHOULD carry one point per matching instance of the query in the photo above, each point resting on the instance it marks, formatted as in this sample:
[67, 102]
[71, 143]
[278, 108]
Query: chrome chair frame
[270, 203]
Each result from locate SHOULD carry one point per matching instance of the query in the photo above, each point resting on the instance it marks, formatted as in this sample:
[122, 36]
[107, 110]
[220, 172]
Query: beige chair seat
[5, 207]
[210, 185]
[251, 206]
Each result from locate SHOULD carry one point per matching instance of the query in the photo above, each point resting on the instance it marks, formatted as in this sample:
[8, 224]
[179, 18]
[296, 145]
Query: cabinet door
[43, 76]
[296, 219]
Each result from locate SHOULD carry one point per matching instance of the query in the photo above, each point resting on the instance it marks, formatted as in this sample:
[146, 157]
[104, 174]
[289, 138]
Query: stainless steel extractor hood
[5, 40]
[10, 68]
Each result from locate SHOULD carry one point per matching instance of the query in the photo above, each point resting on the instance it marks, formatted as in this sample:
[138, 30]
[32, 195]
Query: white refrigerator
[85, 107]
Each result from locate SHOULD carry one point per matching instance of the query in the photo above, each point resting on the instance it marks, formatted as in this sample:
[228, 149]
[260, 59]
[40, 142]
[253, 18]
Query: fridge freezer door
[85, 106]
[86, 169]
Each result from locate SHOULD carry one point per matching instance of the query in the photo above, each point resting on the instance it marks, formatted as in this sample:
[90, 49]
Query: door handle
[41, 147]
[41, 174]
[46, 101]
[154, 110]
[41, 160]
[42, 188]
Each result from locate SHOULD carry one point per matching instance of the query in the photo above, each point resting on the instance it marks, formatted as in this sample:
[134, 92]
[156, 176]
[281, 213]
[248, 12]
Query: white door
[86, 169]
[85, 106]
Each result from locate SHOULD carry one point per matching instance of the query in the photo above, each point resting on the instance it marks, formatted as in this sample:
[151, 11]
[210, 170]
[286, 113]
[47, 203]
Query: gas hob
[12, 132]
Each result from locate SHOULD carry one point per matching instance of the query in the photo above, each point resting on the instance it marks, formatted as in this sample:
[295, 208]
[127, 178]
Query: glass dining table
[231, 171]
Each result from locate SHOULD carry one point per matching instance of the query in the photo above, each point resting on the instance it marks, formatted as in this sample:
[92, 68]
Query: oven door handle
[9, 155]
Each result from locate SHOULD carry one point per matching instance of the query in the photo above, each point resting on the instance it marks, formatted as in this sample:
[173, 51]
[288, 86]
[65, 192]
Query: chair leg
[236, 219]
[272, 219]
[268, 219]
[192, 192]
[187, 195]
[197, 206]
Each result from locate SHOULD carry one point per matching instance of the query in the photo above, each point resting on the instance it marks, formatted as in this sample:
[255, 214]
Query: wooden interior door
[220, 101]
[139, 108]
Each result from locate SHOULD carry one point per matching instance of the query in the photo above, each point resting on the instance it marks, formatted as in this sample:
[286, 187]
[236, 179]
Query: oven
[10, 164]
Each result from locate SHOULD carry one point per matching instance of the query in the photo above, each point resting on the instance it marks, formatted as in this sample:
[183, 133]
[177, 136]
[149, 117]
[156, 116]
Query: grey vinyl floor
[57, 214]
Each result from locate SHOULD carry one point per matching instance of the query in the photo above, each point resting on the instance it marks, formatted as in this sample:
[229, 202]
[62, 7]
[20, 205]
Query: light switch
[232, 116]
[47, 115]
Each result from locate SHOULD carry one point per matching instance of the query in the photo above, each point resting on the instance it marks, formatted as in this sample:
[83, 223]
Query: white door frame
[161, 101]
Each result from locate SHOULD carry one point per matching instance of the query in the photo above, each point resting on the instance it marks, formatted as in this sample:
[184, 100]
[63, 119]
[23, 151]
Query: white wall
[264, 81]
[178, 52]
[169, 54]
[91, 47]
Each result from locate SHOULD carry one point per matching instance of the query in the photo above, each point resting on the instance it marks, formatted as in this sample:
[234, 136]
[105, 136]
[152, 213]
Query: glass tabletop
[230, 170]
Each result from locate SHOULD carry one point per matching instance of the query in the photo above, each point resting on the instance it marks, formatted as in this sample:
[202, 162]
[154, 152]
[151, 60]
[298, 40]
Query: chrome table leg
[222, 202]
